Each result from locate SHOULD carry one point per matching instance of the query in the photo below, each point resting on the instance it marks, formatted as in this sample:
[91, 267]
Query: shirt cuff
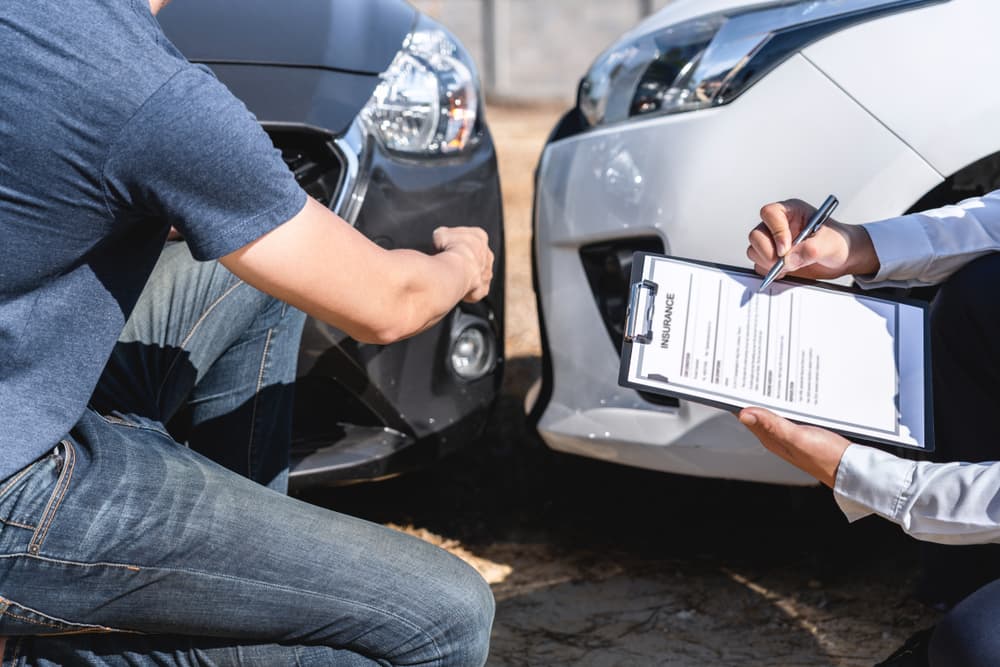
[871, 481]
[902, 246]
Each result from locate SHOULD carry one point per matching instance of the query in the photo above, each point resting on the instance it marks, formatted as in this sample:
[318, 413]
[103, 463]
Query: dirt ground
[600, 565]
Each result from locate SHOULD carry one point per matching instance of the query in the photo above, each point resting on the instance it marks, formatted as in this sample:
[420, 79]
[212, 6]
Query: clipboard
[840, 358]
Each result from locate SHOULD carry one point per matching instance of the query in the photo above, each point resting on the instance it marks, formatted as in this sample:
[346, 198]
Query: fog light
[473, 353]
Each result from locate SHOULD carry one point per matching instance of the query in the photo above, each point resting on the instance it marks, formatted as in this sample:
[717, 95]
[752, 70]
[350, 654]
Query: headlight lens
[711, 60]
[428, 99]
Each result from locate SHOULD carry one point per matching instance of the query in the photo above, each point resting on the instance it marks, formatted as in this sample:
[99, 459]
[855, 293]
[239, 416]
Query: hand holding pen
[834, 249]
[816, 220]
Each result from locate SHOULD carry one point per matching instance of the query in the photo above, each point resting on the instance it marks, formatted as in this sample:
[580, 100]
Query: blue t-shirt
[108, 136]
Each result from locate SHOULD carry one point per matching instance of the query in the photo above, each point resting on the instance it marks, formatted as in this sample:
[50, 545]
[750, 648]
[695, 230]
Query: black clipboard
[639, 331]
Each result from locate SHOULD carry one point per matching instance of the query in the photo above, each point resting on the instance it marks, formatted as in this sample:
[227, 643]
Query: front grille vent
[609, 271]
[317, 167]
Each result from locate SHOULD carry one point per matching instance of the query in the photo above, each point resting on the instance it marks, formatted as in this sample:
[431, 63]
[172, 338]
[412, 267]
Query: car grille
[609, 271]
[315, 161]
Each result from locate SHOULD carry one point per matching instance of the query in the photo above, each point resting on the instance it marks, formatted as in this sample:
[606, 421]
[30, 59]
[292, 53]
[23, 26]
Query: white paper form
[831, 358]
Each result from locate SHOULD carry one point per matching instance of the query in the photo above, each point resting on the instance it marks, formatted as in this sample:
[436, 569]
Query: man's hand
[835, 250]
[327, 268]
[471, 244]
[814, 450]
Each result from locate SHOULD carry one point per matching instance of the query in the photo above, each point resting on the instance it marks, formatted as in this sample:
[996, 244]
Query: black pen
[821, 215]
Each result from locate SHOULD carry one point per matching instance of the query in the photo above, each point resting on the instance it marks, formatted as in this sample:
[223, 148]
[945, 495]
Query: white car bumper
[696, 181]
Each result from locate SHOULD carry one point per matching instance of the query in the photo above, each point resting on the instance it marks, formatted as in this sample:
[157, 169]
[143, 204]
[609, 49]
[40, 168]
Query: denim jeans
[124, 547]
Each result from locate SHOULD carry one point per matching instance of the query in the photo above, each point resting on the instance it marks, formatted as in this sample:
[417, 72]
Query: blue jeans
[123, 547]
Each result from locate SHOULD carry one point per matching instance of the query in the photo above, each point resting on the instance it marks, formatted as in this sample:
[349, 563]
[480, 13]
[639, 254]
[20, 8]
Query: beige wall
[536, 49]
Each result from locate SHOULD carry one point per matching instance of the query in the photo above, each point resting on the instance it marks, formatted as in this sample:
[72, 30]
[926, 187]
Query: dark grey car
[377, 110]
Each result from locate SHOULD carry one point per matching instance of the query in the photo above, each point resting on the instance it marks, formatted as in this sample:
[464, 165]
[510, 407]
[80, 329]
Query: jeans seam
[31, 620]
[118, 421]
[191, 333]
[17, 524]
[62, 561]
[55, 501]
[256, 400]
[66, 627]
[291, 589]
[16, 478]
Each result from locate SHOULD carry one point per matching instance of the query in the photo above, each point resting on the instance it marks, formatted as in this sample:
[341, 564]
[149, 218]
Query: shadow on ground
[608, 565]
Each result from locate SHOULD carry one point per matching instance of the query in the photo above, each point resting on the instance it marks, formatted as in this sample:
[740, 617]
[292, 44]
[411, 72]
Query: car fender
[901, 70]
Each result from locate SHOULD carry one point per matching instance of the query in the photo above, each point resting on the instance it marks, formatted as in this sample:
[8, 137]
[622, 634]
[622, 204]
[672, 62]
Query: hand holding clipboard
[814, 353]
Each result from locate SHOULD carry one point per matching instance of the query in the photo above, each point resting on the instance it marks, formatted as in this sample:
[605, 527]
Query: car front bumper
[366, 412]
[693, 183]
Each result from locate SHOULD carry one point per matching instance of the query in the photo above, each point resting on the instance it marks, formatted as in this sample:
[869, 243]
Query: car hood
[358, 36]
[682, 10]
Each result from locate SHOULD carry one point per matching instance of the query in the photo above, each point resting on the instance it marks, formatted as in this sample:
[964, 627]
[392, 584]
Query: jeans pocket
[30, 499]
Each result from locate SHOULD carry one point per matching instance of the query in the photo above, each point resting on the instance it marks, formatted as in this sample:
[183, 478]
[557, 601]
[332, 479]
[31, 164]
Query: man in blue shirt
[118, 545]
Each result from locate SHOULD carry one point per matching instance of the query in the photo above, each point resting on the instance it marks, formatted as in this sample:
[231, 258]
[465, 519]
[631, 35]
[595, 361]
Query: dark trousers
[965, 326]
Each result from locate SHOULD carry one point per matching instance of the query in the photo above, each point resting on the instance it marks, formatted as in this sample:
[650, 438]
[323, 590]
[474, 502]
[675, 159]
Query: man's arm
[323, 266]
[927, 248]
[949, 503]
[173, 163]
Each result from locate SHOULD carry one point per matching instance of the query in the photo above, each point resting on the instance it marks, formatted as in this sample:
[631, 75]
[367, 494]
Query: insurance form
[817, 354]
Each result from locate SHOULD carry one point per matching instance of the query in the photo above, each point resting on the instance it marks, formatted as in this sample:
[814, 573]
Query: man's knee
[967, 636]
[468, 618]
[474, 620]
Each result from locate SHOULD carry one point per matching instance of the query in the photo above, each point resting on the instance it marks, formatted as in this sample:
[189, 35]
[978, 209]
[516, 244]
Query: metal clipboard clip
[634, 319]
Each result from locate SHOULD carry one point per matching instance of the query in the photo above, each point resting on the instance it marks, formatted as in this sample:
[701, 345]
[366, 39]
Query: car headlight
[710, 60]
[428, 100]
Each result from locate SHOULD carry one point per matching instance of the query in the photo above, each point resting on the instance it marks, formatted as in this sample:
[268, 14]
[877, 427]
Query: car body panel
[316, 98]
[404, 396]
[408, 384]
[697, 184]
[344, 35]
[946, 114]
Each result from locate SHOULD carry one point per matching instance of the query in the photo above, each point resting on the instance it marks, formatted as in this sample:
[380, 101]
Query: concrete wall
[536, 50]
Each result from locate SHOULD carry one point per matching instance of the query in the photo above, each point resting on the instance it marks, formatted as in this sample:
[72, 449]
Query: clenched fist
[472, 245]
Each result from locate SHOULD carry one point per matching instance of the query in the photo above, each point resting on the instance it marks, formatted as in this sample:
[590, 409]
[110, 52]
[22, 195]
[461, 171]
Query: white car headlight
[710, 60]
[428, 99]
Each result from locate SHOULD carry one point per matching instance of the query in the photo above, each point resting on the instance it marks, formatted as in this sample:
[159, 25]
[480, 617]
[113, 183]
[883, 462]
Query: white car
[693, 120]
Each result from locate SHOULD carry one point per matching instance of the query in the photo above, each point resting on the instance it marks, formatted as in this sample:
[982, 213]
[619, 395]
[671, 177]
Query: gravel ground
[598, 565]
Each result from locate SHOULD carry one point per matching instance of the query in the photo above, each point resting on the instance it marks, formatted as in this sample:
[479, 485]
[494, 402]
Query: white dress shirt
[951, 503]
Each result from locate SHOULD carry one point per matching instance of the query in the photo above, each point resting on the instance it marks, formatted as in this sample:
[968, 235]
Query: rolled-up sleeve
[926, 248]
[950, 503]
